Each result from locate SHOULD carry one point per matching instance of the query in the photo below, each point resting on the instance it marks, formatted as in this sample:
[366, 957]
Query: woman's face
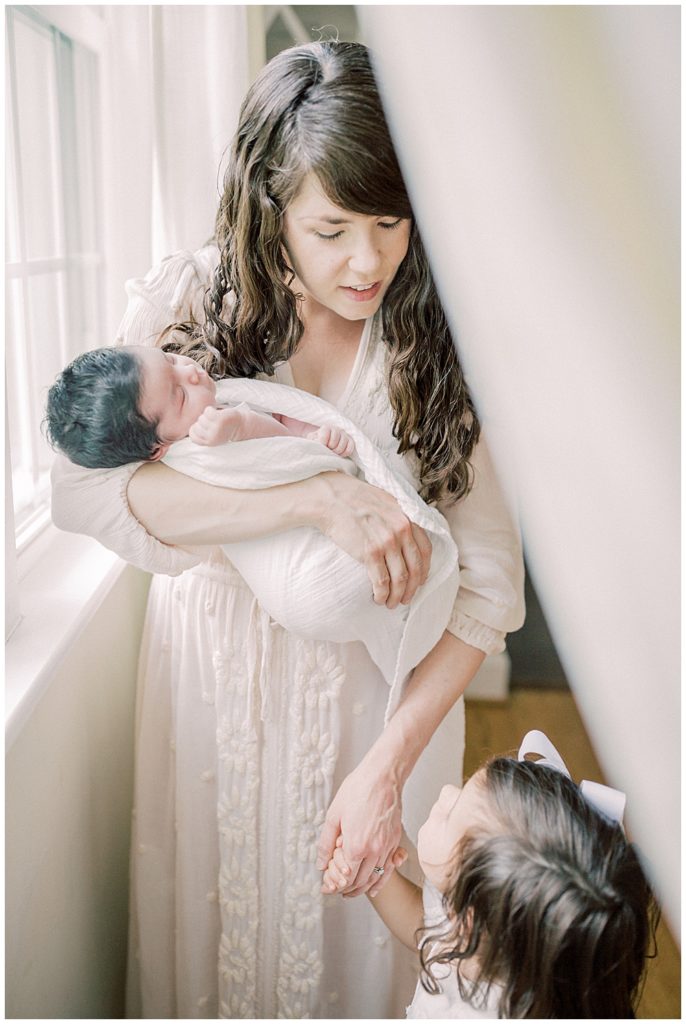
[454, 813]
[343, 261]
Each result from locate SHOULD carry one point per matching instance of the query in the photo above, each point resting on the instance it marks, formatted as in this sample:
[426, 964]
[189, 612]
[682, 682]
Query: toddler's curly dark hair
[549, 898]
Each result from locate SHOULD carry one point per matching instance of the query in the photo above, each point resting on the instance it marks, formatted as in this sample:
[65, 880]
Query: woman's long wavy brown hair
[550, 899]
[316, 108]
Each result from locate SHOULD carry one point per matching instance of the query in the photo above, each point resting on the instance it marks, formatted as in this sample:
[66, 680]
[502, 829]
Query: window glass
[46, 326]
[35, 82]
[86, 100]
[36, 364]
[54, 237]
[11, 212]
[18, 411]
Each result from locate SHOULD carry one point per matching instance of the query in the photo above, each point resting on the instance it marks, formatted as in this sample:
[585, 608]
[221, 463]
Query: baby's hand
[335, 439]
[216, 426]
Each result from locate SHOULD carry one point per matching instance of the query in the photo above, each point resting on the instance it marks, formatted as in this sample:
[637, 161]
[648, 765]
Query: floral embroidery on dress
[238, 785]
[314, 730]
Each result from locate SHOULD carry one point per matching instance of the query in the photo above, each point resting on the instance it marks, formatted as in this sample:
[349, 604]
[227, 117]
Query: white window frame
[60, 579]
[83, 25]
[71, 255]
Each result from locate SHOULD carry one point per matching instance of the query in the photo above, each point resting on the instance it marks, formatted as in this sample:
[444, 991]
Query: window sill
[63, 579]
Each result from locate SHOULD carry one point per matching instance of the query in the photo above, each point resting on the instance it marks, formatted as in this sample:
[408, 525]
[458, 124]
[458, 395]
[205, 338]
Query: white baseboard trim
[492, 681]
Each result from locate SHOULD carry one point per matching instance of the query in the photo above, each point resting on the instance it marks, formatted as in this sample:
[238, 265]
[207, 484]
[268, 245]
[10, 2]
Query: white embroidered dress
[244, 732]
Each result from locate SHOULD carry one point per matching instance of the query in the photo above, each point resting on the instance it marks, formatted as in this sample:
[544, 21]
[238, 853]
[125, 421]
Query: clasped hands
[338, 874]
[361, 834]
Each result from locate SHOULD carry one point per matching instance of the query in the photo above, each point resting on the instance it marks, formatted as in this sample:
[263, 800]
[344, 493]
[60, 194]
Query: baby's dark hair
[92, 411]
[550, 898]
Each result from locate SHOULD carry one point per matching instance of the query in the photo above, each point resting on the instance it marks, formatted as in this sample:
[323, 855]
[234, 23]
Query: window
[54, 257]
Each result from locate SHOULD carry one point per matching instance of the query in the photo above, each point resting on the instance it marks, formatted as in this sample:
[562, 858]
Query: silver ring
[379, 871]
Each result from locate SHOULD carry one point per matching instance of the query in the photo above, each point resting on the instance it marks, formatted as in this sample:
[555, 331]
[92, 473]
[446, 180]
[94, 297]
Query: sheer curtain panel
[200, 75]
[541, 145]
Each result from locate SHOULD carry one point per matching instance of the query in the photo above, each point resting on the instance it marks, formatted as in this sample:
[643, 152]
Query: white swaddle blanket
[301, 578]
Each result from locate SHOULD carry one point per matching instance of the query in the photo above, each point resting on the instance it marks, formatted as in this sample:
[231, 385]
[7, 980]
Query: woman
[256, 748]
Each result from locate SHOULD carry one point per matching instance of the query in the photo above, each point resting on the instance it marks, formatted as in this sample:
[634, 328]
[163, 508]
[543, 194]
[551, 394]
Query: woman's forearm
[180, 510]
[437, 682]
[364, 521]
[366, 810]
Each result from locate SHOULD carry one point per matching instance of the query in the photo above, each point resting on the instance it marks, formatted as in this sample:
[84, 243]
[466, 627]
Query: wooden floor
[497, 728]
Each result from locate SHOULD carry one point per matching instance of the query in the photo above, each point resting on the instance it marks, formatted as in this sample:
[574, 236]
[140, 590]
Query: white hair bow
[610, 802]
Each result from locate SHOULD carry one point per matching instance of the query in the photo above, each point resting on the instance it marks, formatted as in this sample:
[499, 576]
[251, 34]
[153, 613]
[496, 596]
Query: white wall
[69, 779]
[541, 147]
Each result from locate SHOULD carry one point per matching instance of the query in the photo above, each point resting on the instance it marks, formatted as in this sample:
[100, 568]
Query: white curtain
[172, 84]
[541, 146]
[200, 75]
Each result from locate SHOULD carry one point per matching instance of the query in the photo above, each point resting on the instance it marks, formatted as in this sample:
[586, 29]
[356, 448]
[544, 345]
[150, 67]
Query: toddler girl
[534, 904]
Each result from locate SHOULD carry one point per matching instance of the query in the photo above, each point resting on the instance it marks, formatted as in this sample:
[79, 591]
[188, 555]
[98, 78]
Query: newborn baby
[114, 406]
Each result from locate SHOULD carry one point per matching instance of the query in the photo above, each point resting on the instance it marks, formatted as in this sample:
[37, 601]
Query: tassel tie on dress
[259, 655]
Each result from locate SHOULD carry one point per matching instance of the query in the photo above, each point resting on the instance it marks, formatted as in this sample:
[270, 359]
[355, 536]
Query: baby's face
[174, 392]
[454, 813]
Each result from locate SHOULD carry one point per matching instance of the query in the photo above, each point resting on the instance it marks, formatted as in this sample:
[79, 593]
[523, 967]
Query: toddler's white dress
[244, 733]
[448, 1004]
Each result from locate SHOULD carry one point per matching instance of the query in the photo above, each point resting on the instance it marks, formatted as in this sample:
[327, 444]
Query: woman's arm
[490, 601]
[93, 502]
[367, 808]
[364, 521]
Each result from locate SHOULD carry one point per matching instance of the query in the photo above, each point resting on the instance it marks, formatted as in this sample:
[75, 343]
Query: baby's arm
[399, 904]
[331, 437]
[218, 425]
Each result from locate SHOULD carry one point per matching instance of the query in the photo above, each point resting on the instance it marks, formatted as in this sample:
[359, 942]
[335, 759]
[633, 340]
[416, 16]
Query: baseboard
[492, 681]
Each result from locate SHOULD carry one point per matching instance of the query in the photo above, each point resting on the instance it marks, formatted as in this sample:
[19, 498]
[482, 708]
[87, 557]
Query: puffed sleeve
[93, 501]
[490, 601]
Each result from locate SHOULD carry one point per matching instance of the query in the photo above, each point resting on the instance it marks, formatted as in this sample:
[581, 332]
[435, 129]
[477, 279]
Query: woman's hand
[364, 823]
[369, 524]
[364, 521]
[337, 875]
[366, 810]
